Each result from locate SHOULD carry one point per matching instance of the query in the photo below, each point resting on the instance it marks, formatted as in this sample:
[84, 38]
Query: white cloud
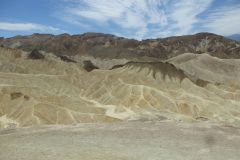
[28, 27]
[224, 21]
[185, 14]
[135, 15]
[140, 18]
[75, 21]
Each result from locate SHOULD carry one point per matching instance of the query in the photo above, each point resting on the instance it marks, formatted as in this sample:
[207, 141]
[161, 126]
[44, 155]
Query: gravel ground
[122, 141]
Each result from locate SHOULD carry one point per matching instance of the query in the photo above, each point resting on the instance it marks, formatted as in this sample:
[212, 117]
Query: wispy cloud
[28, 27]
[225, 20]
[153, 18]
[134, 15]
[140, 17]
[185, 14]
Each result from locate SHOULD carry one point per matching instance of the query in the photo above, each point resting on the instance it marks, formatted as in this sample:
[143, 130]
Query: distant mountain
[108, 46]
[234, 37]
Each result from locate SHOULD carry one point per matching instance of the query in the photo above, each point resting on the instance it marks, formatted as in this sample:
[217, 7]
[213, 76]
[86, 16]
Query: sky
[138, 19]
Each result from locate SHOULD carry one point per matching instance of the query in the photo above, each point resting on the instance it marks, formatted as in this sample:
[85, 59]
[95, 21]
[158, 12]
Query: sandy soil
[122, 141]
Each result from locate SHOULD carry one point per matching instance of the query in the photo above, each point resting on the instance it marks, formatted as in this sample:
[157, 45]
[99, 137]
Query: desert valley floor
[122, 141]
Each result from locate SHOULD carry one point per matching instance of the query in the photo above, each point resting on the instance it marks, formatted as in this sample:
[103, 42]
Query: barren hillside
[107, 46]
[52, 91]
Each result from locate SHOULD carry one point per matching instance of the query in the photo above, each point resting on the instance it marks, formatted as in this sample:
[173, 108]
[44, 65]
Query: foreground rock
[122, 141]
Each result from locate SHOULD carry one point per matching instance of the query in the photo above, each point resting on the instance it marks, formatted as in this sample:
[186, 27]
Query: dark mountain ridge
[108, 46]
[235, 37]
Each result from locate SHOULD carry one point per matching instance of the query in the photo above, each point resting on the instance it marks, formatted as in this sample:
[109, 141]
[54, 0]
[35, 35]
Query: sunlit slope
[50, 91]
[204, 66]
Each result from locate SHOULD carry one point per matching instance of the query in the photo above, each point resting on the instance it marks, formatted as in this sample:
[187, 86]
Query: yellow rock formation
[49, 91]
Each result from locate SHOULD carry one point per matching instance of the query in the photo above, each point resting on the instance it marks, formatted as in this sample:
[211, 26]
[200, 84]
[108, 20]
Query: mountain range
[106, 46]
[234, 37]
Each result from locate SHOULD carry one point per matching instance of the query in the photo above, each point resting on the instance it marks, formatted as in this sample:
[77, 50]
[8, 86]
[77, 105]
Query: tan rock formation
[51, 91]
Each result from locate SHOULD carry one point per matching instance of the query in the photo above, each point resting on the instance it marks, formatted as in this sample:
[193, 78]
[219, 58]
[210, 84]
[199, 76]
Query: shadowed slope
[166, 69]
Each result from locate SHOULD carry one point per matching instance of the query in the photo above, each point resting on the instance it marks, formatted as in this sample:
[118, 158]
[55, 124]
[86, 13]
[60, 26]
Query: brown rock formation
[35, 54]
[110, 46]
[88, 66]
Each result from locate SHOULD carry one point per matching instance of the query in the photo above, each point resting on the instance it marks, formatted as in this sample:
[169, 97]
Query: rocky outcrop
[35, 54]
[66, 59]
[88, 66]
[15, 95]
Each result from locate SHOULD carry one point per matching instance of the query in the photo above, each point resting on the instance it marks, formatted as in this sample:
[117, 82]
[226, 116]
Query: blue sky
[139, 19]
